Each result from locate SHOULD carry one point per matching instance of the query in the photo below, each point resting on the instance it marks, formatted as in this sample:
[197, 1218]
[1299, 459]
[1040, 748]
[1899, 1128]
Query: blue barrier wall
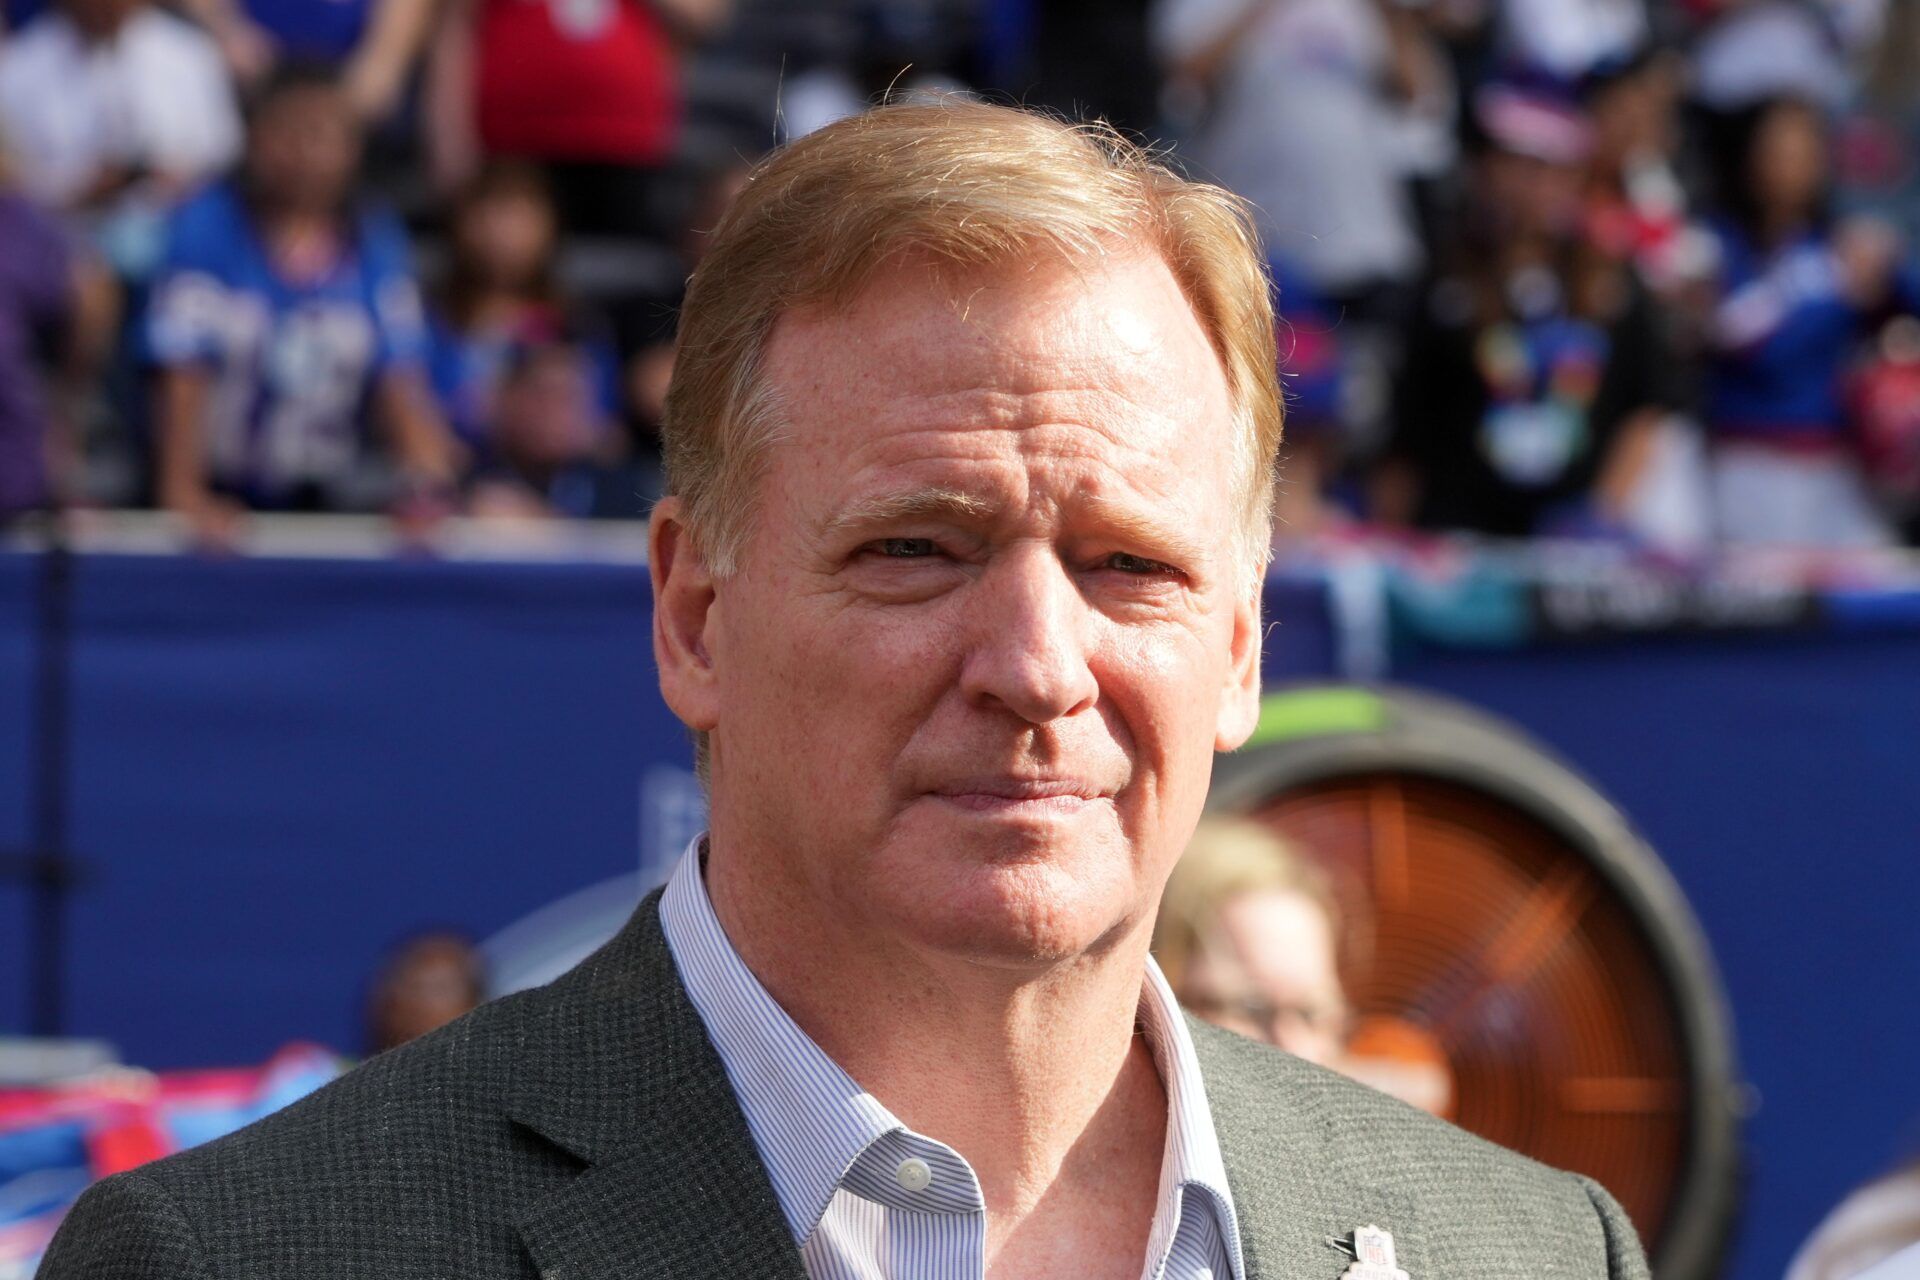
[281, 766]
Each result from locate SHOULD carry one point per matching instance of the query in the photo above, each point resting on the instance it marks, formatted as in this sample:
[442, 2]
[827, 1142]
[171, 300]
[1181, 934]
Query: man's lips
[1000, 793]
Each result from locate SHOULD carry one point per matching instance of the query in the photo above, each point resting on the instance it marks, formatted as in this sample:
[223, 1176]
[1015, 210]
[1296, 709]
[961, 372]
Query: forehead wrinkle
[1061, 422]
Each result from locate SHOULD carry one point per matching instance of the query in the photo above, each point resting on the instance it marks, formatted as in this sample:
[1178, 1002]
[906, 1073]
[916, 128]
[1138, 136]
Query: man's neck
[1037, 1078]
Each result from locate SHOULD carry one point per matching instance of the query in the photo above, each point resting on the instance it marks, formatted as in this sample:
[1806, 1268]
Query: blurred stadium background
[333, 335]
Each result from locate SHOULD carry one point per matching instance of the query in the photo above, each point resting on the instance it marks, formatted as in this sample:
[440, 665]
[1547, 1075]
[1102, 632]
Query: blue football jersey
[327, 30]
[293, 363]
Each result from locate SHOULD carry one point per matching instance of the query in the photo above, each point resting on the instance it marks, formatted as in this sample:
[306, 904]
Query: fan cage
[1443, 749]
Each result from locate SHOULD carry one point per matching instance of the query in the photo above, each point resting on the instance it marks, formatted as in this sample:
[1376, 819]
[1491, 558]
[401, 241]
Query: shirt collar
[809, 1118]
[811, 1121]
[1192, 1165]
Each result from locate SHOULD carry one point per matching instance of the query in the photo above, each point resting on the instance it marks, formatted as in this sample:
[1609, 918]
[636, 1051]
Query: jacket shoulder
[405, 1154]
[1483, 1209]
[422, 1093]
[125, 1228]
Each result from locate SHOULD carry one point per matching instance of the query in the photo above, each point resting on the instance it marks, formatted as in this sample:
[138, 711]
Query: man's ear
[1240, 700]
[685, 618]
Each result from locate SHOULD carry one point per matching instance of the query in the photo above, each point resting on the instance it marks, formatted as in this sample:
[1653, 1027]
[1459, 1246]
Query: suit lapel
[1298, 1193]
[616, 1070]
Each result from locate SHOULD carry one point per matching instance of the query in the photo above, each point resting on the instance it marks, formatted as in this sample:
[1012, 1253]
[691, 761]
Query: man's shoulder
[1471, 1197]
[423, 1161]
[443, 1091]
[1253, 1080]
[410, 1149]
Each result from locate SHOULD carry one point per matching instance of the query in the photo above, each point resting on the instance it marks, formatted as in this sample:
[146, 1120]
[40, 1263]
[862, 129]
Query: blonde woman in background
[1873, 1235]
[1248, 937]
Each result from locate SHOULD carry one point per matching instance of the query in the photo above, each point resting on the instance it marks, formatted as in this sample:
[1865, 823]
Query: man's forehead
[1076, 396]
[1112, 320]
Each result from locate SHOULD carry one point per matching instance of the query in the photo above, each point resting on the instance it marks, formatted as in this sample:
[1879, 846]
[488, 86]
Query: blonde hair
[1228, 858]
[965, 185]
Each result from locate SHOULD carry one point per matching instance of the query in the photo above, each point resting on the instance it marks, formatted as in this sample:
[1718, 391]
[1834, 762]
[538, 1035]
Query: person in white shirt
[100, 99]
[1874, 1234]
[1305, 122]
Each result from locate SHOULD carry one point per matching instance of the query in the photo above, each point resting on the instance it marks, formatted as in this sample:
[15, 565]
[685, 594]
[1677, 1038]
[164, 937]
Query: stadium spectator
[285, 314]
[499, 293]
[424, 983]
[110, 109]
[1638, 207]
[504, 344]
[1873, 1226]
[374, 43]
[37, 303]
[589, 88]
[1754, 50]
[1798, 293]
[1248, 936]
[1306, 99]
[1537, 379]
[647, 325]
[556, 450]
[1567, 39]
[902, 53]
[1317, 371]
[1251, 935]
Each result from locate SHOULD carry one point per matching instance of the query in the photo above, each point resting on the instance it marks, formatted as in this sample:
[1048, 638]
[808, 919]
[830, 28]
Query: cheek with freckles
[828, 696]
[1164, 687]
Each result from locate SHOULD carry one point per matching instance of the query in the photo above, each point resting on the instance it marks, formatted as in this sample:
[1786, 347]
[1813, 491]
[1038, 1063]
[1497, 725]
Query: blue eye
[907, 548]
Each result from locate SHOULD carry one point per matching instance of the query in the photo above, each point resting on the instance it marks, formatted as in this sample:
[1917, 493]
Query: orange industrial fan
[1518, 959]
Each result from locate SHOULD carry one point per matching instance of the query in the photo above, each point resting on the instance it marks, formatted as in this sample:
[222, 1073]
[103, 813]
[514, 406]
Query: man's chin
[1014, 912]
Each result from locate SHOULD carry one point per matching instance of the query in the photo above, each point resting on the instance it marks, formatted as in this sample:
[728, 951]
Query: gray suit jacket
[586, 1131]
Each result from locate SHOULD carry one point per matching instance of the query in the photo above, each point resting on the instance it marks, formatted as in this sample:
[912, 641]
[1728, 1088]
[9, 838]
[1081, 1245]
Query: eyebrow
[919, 504]
[961, 507]
[1144, 530]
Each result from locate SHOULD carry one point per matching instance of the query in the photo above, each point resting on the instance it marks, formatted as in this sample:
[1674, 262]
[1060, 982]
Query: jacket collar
[615, 1069]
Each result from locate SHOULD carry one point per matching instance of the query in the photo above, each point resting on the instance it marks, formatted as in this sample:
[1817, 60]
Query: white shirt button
[914, 1174]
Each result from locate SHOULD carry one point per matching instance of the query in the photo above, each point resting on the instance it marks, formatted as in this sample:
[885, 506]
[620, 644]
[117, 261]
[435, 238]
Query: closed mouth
[1003, 794]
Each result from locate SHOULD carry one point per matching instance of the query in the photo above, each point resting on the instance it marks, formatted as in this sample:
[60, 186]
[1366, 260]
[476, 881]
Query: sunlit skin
[990, 624]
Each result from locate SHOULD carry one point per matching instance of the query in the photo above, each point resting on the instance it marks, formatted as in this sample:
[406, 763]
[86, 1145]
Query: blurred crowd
[1637, 270]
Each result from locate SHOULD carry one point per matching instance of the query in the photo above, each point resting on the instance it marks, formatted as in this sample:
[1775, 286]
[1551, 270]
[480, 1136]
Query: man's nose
[1029, 634]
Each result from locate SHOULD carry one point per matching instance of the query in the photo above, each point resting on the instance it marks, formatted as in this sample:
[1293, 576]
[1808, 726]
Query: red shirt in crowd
[577, 80]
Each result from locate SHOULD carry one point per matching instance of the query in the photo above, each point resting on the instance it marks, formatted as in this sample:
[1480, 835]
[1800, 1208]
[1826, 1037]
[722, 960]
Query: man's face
[993, 618]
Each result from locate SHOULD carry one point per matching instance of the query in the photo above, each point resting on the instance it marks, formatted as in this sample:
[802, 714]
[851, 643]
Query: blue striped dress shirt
[869, 1199]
